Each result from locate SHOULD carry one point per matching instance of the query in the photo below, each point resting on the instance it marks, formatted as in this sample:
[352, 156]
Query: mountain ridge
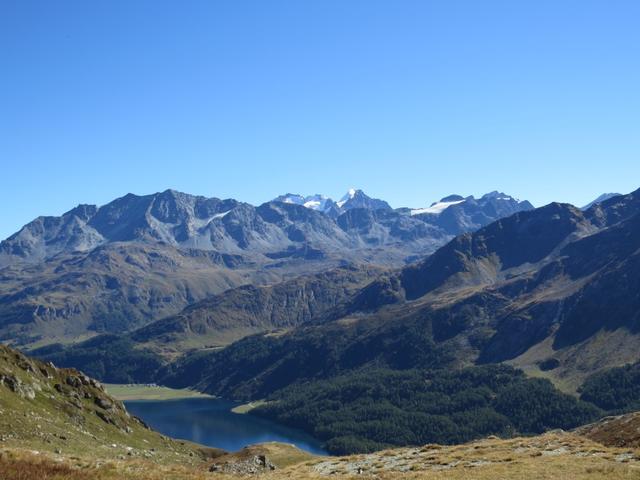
[178, 219]
[141, 258]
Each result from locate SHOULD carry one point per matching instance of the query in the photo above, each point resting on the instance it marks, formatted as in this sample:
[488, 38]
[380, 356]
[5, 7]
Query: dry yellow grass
[557, 456]
[551, 456]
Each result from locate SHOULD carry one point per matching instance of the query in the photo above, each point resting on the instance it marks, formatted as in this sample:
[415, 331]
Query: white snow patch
[198, 223]
[220, 215]
[437, 208]
[294, 199]
[313, 204]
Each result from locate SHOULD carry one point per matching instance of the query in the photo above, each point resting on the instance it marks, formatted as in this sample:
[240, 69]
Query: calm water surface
[209, 421]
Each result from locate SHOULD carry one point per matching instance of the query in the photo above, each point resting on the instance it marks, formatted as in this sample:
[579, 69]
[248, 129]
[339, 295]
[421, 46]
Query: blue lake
[209, 421]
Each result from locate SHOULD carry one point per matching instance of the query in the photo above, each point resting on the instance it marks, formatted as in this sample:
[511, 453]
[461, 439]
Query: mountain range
[138, 259]
[536, 289]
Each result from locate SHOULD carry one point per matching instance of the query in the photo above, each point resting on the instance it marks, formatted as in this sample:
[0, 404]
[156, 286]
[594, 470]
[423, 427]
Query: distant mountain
[314, 202]
[456, 214]
[470, 212]
[437, 208]
[232, 227]
[138, 259]
[358, 199]
[600, 199]
[352, 199]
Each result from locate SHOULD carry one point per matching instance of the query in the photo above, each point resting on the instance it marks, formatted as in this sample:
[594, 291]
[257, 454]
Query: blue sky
[408, 100]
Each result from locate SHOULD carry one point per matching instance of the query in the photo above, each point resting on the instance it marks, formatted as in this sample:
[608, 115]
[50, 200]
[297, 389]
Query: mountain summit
[358, 199]
[314, 202]
[354, 198]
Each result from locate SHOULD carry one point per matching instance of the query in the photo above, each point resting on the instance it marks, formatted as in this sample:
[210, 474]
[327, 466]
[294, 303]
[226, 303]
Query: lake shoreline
[150, 392]
[247, 407]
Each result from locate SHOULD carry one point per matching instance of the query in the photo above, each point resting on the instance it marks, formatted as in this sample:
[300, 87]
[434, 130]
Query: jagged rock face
[228, 226]
[47, 236]
[469, 214]
[69, 389]
[379, 227]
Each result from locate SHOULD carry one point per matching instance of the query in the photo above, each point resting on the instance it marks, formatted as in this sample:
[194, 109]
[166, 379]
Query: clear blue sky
[409, 100]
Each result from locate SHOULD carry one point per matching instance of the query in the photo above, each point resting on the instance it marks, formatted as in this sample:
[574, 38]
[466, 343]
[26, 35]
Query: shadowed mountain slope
[551, 287]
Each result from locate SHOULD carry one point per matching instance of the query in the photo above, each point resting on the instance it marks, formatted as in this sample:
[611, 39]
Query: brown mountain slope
[110, 289]
[246, 310]
[620, 431]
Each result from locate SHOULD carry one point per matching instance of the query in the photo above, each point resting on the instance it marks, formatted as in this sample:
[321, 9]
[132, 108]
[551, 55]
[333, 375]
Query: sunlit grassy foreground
[551, 456]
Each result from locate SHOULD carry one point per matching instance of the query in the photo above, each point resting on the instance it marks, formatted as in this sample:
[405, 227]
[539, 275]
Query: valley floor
[555, 455]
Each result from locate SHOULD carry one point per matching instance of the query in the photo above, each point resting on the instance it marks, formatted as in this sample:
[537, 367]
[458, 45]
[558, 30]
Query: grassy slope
[40, 410]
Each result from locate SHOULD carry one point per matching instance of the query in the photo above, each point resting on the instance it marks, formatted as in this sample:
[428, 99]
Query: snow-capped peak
[317, 202]
[354, 198]
[348, 196]
[437, 208]
[291, 198]
[314, 202]
[495, 195]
